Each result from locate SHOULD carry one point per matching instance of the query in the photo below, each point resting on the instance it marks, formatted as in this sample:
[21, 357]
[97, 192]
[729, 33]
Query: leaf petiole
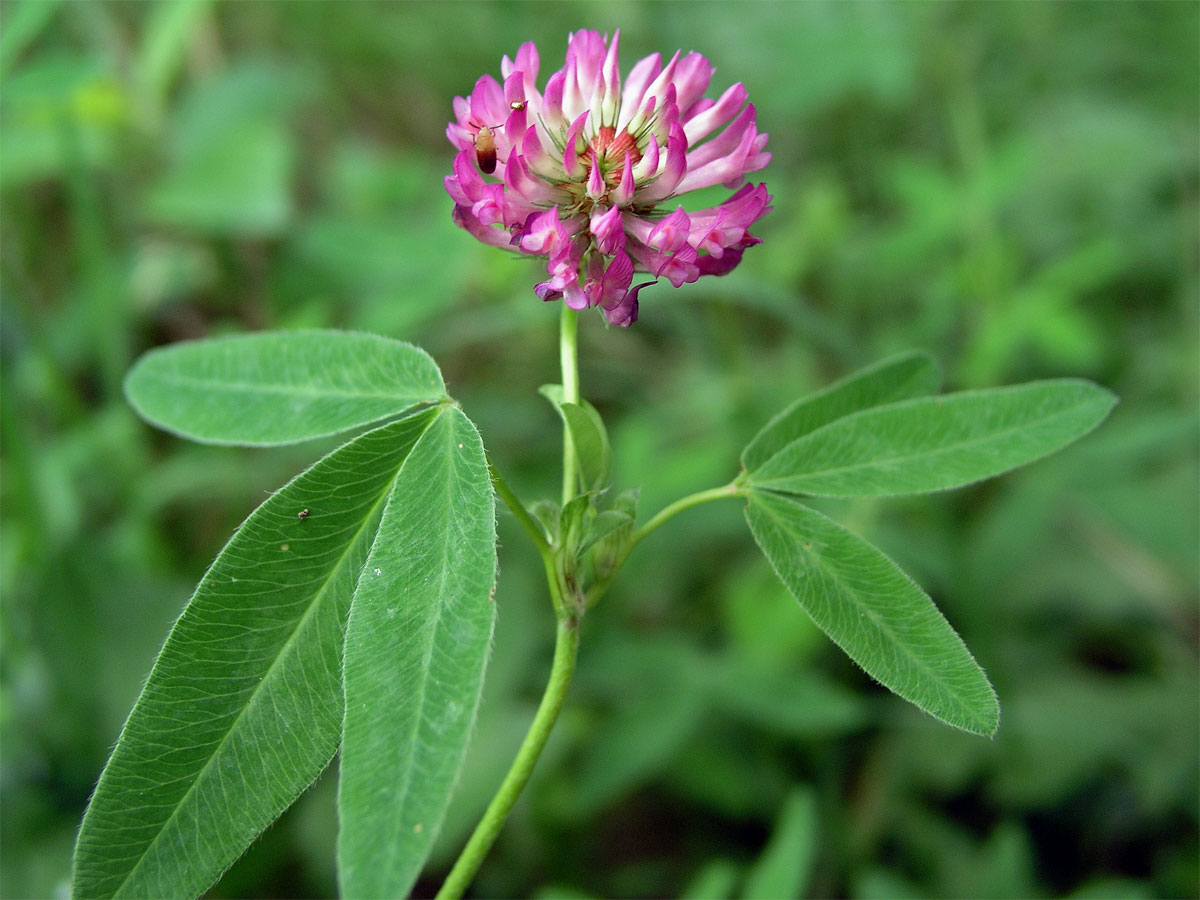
[517, 508]
[733, 489]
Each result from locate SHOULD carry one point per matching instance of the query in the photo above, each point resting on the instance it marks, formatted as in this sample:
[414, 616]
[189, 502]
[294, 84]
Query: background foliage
[1010, 186]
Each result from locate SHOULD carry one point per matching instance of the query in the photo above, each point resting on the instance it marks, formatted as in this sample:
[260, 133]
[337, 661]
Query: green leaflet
[936, 443]
[416, 645]
[280, 387]
[873, 611]
[244, 706]
[907, 375]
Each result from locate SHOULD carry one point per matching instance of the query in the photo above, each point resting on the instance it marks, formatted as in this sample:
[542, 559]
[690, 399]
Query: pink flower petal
[692, 76]
[625, 312]
[728, 170]
[643, 72]
[607, 227]
[623, 192]
[668, 181]
[702, 125]
[671, 233]
[487, 103]
[552, 102]
[519, 180]
[648, 164]
[464, 219]
[544, 234]
[571, 164]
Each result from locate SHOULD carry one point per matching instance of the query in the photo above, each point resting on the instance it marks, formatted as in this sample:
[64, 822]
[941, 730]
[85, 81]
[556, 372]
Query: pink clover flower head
[585, 172]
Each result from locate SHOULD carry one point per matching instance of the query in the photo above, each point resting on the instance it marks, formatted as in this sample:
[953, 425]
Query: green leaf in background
[280, 387]
[936, 443]
[907, 375]
[23, 23]
[244, 706]
[417, 641]
[232, 155]
[164, 47]
[588, 436]
[873, 611]
[785, 866]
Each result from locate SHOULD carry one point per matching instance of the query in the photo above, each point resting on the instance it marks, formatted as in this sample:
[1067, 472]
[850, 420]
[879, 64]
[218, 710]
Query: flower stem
[732, 489]
[565, 648]
[568, 351]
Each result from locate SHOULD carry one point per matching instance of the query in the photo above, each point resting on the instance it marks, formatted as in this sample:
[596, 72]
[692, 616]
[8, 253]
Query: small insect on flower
[517, 105]
[485, 149]
[302, 515]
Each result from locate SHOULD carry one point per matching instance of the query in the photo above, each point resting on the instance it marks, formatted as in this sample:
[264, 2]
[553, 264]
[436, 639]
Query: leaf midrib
[318, 598]
[872, 615]
[427, 655]
[902, 458]
[176, 380]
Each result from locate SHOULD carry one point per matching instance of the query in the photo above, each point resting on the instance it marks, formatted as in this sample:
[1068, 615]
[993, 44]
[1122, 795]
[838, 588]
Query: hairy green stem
[566, 645]
[517, 508]
[733, 489]
[565, 648]
[568, 351]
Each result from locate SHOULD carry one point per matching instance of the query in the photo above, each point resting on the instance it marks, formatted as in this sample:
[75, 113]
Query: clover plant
[352, 612]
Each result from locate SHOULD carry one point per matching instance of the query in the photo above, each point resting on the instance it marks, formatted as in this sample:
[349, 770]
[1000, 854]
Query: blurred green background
[1012, 187]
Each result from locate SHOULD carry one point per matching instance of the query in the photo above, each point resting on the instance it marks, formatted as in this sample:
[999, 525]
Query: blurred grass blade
[23, 23]
[244, 705]
[785, 866]
[936, 443]
[873, 611]
[417, 641]
[898, 378]
[280, 387]
[168, 28]
[714, 881]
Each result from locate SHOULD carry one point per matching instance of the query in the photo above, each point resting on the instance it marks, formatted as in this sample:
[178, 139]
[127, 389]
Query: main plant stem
[568, 352]
[568, 609]
[565, 648]
[566, 645]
